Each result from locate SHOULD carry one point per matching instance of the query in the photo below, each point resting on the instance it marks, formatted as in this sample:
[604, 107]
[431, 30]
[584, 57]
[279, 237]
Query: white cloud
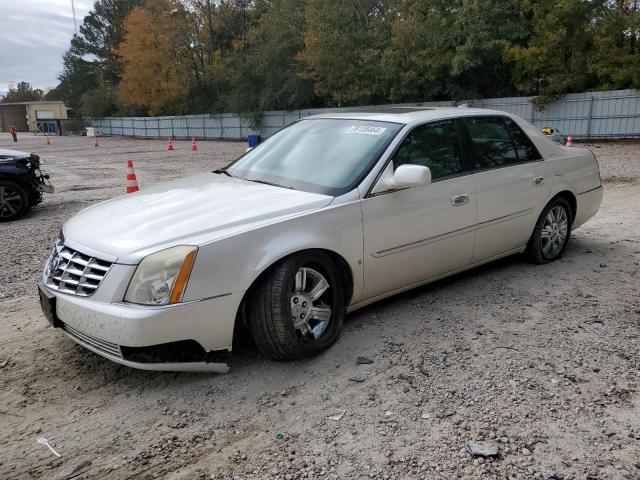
[33, 36]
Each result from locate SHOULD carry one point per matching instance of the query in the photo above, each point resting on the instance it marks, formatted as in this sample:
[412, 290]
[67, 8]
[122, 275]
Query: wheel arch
[339, 260]
[571, 199]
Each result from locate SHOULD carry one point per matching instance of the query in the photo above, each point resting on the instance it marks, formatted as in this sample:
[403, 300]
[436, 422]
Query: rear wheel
[552, 232]
[297, 309]
[14, 201]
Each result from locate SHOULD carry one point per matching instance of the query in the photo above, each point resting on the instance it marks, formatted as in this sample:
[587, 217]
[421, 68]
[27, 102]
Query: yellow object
[547, 131]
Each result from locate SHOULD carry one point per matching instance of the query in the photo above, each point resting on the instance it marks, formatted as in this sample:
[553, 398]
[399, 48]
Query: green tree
[91, 59]
[267, 75]
[554, 61]
[451, 49]
[77, 77]
[22, 92]
[100, 102]
[101, 33]
[344, 45]
[615, 59]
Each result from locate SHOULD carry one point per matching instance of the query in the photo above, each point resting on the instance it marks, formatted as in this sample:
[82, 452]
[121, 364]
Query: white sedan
[330, 214]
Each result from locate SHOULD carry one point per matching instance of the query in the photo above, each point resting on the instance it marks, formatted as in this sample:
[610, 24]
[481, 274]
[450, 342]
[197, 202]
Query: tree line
[168, 57]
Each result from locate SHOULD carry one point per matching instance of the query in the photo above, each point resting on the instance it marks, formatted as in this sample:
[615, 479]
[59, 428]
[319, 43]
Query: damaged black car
[22, 183]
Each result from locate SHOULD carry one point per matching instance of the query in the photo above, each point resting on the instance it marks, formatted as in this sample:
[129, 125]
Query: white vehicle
[331, 213]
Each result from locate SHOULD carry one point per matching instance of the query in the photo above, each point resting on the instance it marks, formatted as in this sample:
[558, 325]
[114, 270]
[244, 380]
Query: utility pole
[73, 9]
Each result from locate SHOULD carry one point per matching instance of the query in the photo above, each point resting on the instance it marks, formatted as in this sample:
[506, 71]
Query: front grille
[87, 340]
[70, 271]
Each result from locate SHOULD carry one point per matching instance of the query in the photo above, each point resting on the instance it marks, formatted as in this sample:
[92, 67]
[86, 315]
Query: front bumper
[113, 329]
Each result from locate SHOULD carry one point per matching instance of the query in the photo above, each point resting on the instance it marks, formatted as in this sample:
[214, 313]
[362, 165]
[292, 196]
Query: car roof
[407, 115]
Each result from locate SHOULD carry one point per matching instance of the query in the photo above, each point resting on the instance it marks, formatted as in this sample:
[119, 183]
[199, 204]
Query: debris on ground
[483, 449]
[337, 416]
[363, 361]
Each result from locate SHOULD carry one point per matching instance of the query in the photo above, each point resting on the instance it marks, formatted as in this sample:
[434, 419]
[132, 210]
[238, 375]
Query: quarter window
[434, 145]
[527, 151]
[499, 142]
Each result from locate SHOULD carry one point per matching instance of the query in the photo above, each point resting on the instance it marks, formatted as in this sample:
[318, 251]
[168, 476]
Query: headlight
[161, 278]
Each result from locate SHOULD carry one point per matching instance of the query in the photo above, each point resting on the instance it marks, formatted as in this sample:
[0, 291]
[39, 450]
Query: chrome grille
[70, 271]
[88, 341]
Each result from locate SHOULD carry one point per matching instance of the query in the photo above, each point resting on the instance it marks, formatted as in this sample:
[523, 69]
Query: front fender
[232, 264]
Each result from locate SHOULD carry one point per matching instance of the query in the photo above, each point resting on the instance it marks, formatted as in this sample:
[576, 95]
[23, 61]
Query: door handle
[538, 181]
[460, 199]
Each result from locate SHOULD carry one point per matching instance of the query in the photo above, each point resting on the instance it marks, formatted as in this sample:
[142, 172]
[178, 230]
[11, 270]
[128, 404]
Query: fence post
[171, 120]
[533, 113]
[589, 119]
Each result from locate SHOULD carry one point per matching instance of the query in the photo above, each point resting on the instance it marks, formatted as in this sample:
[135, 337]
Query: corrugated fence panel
[612, 114]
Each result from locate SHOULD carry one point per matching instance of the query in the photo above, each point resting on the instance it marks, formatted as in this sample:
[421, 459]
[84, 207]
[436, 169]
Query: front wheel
[14, 201]
[297, 309]
[552, 232]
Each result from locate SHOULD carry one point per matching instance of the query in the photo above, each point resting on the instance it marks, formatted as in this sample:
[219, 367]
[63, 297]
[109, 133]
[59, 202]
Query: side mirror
[407, 176]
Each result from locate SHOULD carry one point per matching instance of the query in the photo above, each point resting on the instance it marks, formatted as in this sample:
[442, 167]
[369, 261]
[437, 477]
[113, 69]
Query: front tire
[297, 309]
[14, 201]
[552, 232]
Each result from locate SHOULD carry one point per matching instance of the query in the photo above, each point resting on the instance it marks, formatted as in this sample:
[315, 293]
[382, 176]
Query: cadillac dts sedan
[330, 214]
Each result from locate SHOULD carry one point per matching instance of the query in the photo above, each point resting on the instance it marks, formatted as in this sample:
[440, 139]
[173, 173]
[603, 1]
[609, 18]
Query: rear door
[509, 181]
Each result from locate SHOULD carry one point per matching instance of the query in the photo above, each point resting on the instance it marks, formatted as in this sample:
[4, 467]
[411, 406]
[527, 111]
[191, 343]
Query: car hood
[12, 155]
[190, 211]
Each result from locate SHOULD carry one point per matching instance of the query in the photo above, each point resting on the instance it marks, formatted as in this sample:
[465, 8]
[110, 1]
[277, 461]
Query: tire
[14, 201]
[548, 247]
[290, 288]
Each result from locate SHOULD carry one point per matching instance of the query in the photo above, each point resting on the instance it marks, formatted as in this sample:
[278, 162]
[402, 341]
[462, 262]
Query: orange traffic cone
[170, 144]
[95, 143]
[570, 141]
[132, 181]
[194, 147]
[48, 140]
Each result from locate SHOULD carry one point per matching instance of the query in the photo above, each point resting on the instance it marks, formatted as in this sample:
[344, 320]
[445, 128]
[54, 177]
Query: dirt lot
[542, 359]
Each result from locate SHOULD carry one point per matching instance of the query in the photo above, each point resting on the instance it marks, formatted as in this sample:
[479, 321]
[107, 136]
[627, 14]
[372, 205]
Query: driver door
[414, 234]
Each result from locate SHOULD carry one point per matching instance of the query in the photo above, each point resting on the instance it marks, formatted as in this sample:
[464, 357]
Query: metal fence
[590, 115]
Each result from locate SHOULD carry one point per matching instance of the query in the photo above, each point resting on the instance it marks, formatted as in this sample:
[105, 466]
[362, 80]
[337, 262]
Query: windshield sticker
[365, 130]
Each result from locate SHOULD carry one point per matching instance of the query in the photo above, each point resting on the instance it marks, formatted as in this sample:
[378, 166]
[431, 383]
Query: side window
[491, 142]
[434, 145]
[527, 151]
[499, 142]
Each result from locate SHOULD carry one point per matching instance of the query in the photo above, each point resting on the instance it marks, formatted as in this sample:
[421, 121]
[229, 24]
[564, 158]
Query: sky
[33, 36]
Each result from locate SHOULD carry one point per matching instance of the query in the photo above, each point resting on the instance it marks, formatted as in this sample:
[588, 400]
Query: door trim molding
[511, 216]
[364, 303]
[425, 241]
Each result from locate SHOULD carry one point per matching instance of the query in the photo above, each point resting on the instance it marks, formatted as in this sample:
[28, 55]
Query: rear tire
[14, 201]
[552, 232]
[297, 309]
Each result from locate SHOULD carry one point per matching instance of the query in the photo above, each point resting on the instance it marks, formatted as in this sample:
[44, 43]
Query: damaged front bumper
[194, 336]
[43, 183]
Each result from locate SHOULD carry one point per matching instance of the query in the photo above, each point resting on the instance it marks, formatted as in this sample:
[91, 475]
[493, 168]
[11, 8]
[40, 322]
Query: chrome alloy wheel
[554, 232]
[10, 202]
[310, 315]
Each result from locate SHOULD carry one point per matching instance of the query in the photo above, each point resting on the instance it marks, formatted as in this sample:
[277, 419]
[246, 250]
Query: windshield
[324, 155]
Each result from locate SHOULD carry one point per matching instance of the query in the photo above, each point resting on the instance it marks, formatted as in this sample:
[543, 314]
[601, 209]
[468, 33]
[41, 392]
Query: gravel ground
[541, 361]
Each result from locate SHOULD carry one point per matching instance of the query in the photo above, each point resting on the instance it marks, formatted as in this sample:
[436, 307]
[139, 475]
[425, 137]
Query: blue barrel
[254, 140]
